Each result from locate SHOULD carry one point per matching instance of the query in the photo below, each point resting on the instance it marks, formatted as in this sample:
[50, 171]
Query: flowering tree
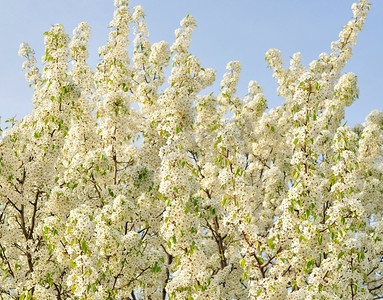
[114, 189]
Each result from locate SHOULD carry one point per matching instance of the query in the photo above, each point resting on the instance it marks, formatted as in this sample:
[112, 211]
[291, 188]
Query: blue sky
[227, 30]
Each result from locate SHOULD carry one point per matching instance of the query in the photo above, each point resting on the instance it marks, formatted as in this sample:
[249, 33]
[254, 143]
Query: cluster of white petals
[120, 186]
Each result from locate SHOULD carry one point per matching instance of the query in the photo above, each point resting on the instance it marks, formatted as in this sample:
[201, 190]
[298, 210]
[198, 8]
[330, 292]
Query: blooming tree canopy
[119, 185]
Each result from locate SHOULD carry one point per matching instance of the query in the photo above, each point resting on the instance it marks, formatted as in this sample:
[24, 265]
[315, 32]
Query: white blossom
[119, 185]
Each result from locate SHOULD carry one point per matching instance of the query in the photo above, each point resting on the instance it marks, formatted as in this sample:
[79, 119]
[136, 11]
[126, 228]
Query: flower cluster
[117, 186]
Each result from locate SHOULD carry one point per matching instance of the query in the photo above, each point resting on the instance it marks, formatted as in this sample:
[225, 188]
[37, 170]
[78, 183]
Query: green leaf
[309, 264]
[156, 268]
[270, 243]
[242, 262]
[72, 263]
[84, 247]
[360, 256]
[320, 239]
[214, 127]
[223, 202]
[248, 219]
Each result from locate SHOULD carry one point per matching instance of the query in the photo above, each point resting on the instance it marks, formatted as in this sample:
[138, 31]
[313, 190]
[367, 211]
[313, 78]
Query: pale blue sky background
[227, 30]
